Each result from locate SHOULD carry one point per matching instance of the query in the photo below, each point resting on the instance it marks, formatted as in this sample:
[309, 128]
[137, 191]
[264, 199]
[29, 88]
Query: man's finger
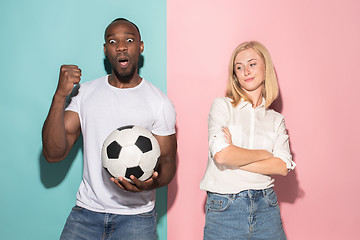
[128, 186]
[117, 183]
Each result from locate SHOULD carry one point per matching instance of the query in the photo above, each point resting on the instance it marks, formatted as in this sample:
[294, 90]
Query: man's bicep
[72, 126]
[167, 161]
[168, 145]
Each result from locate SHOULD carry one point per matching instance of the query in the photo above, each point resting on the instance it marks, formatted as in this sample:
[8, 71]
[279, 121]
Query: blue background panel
[37, 37]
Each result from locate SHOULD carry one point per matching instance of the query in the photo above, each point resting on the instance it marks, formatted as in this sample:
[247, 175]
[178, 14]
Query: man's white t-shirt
[103, 108]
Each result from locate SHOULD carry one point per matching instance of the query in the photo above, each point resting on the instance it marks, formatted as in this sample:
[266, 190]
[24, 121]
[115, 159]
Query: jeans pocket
[217, 202]
[270, 197]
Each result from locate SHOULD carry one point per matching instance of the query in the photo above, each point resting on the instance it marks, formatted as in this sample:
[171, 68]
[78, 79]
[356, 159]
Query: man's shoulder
[89, 86]
[93, 82]
[152, 89]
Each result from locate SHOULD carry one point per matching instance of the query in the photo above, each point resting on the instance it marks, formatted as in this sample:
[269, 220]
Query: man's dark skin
[61, 129]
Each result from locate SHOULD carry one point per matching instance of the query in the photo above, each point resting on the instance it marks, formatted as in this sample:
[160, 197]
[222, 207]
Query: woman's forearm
[269, 166]
[237, 156]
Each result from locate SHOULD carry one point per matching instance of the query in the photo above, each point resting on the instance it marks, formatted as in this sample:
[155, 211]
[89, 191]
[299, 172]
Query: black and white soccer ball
[130, 150]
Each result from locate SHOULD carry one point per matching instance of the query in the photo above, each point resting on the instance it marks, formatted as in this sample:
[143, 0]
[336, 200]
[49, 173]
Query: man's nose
[121, 47]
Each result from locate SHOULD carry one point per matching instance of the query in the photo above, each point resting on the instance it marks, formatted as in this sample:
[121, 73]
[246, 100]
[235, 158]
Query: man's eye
[111, 41]
[129, 40]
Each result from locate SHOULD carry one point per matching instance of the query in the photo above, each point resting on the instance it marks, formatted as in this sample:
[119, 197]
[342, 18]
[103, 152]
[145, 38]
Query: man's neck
[116, 82]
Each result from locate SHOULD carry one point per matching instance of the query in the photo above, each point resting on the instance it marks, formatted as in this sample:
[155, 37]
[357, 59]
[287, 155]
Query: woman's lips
[249, 79]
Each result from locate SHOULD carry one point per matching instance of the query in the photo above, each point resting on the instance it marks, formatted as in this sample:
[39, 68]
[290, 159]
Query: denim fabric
[88, 225]
[248, 215]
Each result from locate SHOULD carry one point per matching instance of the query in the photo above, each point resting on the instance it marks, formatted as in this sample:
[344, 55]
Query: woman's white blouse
[250, 128]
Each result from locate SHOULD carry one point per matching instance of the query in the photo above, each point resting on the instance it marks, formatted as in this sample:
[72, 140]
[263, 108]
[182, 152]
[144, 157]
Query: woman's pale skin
[250, 72]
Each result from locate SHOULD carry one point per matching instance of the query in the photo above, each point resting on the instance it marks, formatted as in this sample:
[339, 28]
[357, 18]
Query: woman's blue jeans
[88, 225]
[250, 214]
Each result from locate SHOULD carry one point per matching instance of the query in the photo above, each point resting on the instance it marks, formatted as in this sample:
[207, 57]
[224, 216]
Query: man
[108, 207]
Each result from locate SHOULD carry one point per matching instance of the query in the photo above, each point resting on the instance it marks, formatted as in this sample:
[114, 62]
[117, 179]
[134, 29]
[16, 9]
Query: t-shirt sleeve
[165, 121]
[72, 100]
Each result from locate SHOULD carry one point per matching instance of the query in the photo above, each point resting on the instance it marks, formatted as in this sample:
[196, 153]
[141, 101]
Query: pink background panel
[315, 49]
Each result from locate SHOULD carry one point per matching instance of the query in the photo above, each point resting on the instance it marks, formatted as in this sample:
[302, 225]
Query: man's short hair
[125, 20]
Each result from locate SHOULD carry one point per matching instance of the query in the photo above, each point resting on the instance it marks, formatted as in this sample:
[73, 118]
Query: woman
[247, 144]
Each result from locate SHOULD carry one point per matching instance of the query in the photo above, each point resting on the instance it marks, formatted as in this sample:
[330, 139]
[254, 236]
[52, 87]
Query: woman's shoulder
[222, 100]
[275, 113]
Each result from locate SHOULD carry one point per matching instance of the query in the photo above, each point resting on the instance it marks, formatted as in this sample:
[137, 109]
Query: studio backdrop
[188, 44]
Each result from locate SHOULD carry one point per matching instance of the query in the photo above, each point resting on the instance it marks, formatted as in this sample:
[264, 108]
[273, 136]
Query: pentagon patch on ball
[130, 150]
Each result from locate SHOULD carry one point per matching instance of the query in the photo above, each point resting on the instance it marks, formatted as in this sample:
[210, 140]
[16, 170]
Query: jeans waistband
[248, 193]
[251, 193]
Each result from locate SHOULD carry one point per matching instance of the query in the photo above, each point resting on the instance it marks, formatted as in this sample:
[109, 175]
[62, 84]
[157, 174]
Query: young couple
[247, 144]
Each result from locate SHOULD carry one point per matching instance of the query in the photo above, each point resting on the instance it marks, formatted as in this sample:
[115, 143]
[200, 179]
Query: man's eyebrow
[113, 34]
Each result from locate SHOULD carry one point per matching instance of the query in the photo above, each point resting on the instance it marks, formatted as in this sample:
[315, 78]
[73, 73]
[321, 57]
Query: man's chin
[125, 77]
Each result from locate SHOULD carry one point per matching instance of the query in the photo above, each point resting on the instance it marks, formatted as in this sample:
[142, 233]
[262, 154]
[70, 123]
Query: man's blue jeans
[250, 214]
[87, 225]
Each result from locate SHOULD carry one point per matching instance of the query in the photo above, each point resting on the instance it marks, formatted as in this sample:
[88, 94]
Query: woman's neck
[255, 97]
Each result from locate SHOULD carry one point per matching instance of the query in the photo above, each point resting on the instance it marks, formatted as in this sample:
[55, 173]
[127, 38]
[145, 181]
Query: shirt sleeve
[219, 116]
[164, 124]
[71, 103]
[281, 147]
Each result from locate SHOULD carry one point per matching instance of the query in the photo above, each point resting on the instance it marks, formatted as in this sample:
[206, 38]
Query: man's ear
[141, 46]
[104, 49]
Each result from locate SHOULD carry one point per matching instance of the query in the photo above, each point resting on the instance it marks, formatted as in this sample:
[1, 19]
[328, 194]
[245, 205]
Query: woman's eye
[253, 64]
[239, 68]
[111, 41]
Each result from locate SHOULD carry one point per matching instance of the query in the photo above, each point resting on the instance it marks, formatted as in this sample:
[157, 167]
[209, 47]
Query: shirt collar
[244, 103]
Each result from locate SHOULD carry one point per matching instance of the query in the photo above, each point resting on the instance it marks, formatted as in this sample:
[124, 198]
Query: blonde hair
[270, 90]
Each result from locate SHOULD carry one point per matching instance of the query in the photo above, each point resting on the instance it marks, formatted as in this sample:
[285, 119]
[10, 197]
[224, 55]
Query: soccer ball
[130, 150]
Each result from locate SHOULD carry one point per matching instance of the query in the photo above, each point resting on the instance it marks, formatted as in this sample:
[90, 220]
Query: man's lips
[124, 61]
